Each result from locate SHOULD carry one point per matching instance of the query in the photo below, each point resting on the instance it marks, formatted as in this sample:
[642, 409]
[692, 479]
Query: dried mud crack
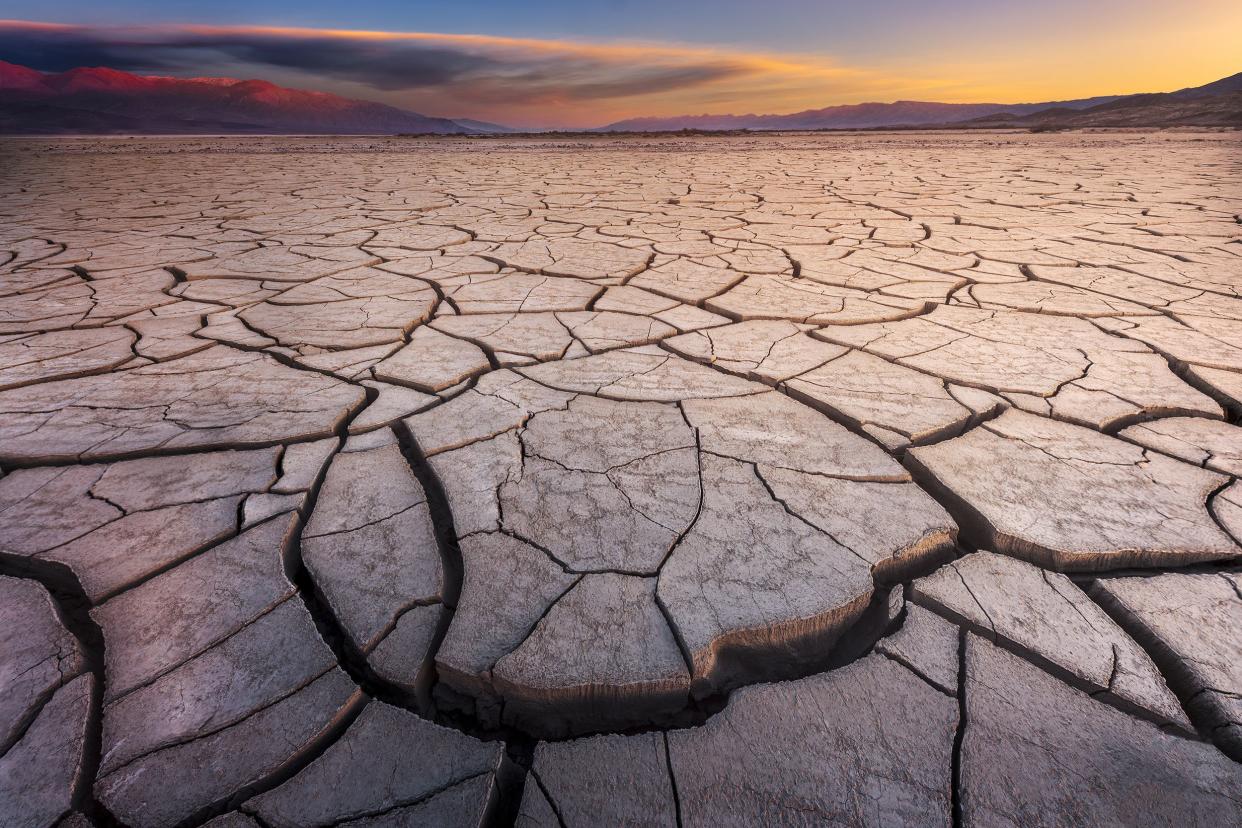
[802, 479]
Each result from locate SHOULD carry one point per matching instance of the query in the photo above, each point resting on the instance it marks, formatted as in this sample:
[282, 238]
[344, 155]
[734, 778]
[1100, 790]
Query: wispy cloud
[385, 61]
[467, 71]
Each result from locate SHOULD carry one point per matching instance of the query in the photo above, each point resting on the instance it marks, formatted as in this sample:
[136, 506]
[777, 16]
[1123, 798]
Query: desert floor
[873, 479]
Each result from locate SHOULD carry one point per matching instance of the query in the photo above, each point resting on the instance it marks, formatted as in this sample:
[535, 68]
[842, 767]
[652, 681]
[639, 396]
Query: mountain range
[96, 100]
[1215, 104]
[1110, 110]
[849, 116]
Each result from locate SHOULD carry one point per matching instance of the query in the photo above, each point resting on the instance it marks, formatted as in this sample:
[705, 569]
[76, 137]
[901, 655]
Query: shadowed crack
[959, 735]
[73, 609]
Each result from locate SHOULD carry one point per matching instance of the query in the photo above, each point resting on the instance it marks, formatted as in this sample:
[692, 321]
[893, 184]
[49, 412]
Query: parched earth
[786, 480]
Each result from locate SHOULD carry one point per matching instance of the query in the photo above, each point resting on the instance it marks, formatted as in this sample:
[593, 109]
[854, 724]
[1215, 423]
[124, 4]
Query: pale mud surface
[841, 479]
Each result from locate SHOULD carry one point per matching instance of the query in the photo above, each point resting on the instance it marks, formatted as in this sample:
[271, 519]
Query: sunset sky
[588, 63]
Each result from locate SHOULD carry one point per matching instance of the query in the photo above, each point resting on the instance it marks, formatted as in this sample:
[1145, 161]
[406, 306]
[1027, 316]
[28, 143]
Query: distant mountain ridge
[98, 100]
[1216, 104]
[1224, 86]
[932, 114]
[851, 116]
[101, 100]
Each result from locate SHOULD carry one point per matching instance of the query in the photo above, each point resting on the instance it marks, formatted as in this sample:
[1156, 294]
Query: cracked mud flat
[849, 480]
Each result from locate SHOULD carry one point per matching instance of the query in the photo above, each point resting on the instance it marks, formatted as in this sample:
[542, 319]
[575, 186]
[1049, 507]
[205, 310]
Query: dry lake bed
[875, 479]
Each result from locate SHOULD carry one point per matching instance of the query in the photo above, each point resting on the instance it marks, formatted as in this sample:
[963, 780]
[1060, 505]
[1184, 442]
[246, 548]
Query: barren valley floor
[804, 479]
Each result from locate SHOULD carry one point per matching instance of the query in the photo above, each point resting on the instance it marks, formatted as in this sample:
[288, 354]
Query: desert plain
[805, 479]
